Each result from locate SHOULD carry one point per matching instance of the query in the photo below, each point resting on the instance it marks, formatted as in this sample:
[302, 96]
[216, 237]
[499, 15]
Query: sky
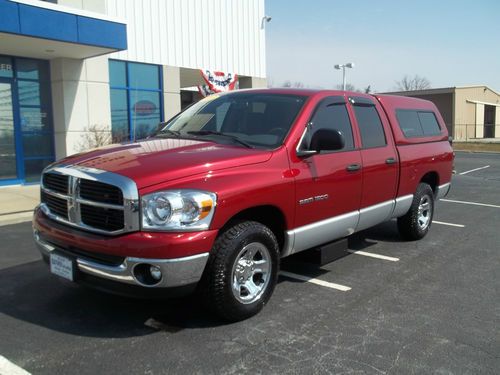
[451, 43]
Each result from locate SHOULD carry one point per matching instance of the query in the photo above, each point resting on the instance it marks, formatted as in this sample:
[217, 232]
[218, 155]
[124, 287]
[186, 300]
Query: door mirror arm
[306, 153]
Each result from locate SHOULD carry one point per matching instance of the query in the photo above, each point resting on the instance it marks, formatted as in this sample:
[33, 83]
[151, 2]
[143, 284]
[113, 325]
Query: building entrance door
[8, 164]
[489, 121]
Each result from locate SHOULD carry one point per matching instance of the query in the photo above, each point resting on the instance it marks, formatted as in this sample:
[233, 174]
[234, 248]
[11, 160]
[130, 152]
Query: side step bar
[324, 254]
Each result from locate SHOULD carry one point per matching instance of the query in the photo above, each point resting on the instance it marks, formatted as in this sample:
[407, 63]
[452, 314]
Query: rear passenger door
[379, 162]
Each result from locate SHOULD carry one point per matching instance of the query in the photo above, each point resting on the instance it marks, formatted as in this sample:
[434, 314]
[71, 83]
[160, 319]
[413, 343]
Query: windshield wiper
[168, 133]
[212, 132]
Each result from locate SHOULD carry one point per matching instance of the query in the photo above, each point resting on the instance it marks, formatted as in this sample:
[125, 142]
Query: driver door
[328, 187]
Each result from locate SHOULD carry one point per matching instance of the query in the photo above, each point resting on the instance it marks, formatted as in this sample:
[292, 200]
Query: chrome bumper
[175, 272]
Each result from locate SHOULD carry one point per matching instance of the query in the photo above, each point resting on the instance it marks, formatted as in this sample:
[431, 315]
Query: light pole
[264, 20]
[343, 66]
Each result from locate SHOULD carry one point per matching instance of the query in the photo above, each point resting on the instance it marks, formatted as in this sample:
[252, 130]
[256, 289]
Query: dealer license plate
[61, 266]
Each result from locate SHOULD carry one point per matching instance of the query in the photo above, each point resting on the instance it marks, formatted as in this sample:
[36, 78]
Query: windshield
[259, 120]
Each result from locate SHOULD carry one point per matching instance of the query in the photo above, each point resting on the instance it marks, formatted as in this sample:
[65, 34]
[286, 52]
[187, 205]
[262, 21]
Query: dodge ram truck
[228, 187]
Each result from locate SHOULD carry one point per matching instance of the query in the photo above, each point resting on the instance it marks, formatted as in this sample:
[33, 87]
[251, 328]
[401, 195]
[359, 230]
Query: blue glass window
[143, 76]
[37, 144]
[35, 115]
[34, 167]
[117, 74]
[136, 99]
[29, 93]
[27, 134]
[32, 69]
[145, 111]
[6, 69]
[119, 115]
[35, 119]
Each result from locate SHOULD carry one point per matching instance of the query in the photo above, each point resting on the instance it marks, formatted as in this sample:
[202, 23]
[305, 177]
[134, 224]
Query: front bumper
[175, 272]
[121, 260]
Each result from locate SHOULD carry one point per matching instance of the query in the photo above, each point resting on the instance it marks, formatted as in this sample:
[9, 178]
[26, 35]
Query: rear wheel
[417, 221]
[242, 271]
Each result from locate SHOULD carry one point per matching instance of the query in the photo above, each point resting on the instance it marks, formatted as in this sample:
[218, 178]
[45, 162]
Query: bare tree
[348, 87]
[95, 136]
[296, 84]
[413, 83]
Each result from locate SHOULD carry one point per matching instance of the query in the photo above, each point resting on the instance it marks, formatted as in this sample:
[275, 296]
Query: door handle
[353, 167]
[390, 161]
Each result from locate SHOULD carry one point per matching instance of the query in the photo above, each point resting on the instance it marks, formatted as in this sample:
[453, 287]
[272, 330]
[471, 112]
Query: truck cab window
[370, 126]
[330, 114]
[429, 123]
[409, 123]
[260, 120]
[220, 115]
[414, 123]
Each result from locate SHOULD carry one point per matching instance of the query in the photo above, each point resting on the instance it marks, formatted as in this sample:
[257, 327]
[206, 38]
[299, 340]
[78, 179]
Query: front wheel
[242, 271]
[415, 224]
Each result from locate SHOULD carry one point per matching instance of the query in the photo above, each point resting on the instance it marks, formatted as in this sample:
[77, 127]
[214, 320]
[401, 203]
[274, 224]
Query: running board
[324, 254]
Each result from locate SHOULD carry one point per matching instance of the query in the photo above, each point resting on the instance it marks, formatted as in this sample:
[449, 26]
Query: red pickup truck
[236, 182]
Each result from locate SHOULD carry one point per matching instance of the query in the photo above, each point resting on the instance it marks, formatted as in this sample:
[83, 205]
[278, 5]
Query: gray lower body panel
[443, 190]
[320, 232]
[373, 215]
[402, 205]
[331, 229]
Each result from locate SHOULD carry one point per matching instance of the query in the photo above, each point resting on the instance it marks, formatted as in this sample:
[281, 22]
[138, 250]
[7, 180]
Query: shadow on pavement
[30, 293]
[386, 232]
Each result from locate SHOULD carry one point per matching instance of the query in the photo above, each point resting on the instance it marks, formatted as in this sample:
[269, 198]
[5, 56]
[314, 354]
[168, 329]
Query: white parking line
[373, 255]
[472, 203]
[312, 280]
[475, 169]
[449, 224]
[9, 368]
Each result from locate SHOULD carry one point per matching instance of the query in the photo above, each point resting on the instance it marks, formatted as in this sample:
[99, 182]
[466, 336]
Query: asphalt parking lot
[431, 306]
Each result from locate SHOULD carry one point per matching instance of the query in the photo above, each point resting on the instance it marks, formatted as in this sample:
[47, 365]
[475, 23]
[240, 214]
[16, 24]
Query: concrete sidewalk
[17, 203]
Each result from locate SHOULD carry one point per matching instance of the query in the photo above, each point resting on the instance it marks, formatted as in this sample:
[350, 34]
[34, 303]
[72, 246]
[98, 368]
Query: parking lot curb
[15, 218]
[477, 152]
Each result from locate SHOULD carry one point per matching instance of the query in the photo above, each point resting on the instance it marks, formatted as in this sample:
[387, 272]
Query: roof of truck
[396, 101]
[393, 99]
[390, 104]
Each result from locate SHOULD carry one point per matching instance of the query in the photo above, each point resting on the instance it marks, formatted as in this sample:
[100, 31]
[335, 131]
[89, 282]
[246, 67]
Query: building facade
[470, 112]
[75, 74]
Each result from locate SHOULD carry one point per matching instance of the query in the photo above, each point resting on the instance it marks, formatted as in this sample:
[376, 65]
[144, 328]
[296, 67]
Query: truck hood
[155, 161]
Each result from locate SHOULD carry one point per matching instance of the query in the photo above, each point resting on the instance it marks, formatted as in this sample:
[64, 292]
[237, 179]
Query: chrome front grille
[100, 217]
[90, 199]
[57, 206]
[98, 192]
[56, 182]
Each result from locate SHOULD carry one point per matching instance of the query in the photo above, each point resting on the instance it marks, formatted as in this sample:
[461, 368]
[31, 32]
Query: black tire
[221, 271]
[414, 225]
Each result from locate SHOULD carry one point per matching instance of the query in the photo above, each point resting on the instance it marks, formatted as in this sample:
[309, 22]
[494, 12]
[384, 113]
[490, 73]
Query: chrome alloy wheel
[424, 212]
[251, 273]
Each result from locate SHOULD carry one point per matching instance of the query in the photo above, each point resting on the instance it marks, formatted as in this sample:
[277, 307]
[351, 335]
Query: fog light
[155, 272]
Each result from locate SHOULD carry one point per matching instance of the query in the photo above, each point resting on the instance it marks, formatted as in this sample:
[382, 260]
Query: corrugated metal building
[470, 112]
[74, 73]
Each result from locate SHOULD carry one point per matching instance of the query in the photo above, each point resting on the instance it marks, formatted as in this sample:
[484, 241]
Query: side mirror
[327, 140]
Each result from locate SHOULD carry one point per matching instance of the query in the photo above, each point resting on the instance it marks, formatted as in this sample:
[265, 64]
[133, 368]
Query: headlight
[178, 210]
